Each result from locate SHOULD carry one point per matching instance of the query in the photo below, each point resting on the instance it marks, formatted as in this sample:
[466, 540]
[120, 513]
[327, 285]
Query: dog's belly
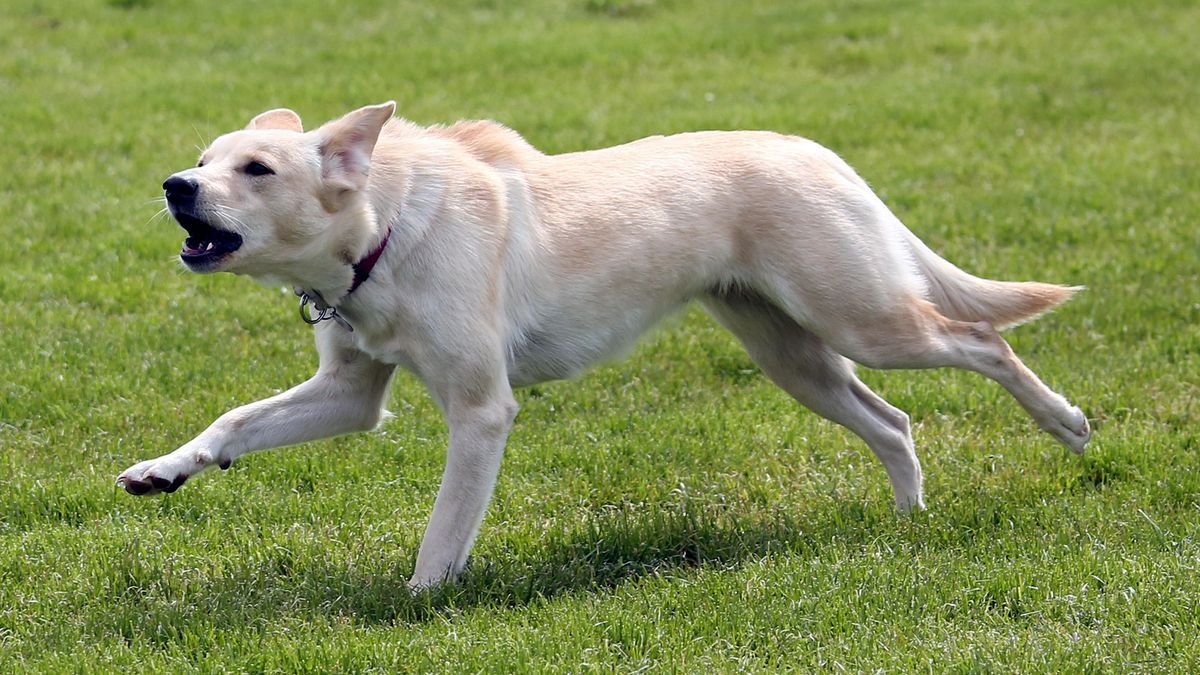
[565, 347]
[537, 358]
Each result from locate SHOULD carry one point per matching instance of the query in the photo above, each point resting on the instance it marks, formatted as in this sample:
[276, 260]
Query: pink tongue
[193, 245]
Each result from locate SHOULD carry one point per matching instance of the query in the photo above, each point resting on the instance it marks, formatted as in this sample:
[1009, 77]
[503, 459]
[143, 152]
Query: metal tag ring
[322, 315]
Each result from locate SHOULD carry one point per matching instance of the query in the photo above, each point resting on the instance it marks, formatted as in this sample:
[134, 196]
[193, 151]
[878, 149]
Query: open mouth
[205, 244]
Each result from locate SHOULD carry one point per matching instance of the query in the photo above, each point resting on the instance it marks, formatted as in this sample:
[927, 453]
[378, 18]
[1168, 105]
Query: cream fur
[508, 267]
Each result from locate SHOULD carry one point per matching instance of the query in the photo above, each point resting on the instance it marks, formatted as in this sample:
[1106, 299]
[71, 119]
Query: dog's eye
[258, 169]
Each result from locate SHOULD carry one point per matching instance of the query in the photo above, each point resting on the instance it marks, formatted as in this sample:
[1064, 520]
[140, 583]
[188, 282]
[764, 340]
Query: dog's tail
[966, 297]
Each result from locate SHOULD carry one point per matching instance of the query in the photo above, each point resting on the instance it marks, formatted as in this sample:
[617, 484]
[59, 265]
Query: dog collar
[325, 311]
[362, 268]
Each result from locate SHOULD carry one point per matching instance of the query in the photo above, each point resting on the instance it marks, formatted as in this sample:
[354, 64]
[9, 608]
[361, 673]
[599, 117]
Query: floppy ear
[279, 118]
[346, 146]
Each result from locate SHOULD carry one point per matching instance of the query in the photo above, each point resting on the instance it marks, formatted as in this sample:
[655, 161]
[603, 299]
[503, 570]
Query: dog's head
[271, 197]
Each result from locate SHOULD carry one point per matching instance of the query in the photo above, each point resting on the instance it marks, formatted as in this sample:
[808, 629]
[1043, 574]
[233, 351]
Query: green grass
[672, 511]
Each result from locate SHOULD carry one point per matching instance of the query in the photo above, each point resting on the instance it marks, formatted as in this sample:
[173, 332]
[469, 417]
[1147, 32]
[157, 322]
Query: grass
[672, 511]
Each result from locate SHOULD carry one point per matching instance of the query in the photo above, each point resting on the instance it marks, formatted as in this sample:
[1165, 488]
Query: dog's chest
[388, 341]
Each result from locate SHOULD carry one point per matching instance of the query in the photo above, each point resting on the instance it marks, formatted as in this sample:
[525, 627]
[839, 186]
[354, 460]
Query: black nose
[178, 187]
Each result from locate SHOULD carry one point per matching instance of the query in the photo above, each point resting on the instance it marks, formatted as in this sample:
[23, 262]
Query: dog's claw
[135, 487]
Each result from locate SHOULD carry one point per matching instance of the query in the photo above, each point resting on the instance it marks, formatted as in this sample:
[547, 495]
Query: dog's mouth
[205, 245]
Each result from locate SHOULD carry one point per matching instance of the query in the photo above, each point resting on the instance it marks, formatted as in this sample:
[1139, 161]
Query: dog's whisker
[200, 148]
[226, 214]
[161, 213]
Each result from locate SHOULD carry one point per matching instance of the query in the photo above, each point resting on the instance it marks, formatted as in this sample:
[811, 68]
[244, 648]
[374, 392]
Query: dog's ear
[279, 118]
[347, 143]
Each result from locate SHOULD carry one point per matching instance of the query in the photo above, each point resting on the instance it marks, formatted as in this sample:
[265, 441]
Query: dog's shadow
[605, 549]
[612, 548]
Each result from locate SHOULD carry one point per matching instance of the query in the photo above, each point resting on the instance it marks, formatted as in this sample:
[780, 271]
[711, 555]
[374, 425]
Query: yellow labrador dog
[480, 264]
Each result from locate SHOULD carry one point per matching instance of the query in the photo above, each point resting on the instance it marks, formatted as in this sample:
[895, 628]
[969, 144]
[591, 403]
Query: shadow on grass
[619, 547]
[613, 547]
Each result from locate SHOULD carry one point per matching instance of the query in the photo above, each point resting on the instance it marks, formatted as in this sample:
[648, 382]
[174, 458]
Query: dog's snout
[178, 187]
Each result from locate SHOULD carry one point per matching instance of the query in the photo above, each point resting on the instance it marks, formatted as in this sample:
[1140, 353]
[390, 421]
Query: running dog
[478, 263]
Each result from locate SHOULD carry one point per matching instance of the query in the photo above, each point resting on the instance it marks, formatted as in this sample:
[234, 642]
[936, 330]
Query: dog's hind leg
[875, 294]
[917, 335]
[823, 381]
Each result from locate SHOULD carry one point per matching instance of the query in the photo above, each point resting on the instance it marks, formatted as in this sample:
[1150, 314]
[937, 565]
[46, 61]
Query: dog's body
[503, 267]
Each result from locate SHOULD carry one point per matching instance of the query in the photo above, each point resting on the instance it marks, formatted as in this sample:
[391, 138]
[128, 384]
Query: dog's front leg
[479, 425]
[345, 395]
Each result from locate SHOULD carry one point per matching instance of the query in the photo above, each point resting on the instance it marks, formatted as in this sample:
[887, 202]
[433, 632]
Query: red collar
[362, 268]
[325, 311]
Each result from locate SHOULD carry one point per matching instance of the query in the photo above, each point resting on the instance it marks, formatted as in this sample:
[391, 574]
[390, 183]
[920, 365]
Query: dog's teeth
[208, 247]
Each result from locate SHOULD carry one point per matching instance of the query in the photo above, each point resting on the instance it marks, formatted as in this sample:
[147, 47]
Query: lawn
[672, 511]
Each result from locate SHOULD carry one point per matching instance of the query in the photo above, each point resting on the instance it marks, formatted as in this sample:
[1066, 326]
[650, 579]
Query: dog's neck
[333, 282]
[343, 256]
[334, 287]
[327, 309]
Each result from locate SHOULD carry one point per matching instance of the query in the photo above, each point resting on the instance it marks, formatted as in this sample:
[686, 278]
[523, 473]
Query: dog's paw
[909, 503]
[421, 584]
[166, 473]
[1072, 430]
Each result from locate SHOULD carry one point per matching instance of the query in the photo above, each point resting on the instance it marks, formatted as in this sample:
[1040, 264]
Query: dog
[468, 257]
